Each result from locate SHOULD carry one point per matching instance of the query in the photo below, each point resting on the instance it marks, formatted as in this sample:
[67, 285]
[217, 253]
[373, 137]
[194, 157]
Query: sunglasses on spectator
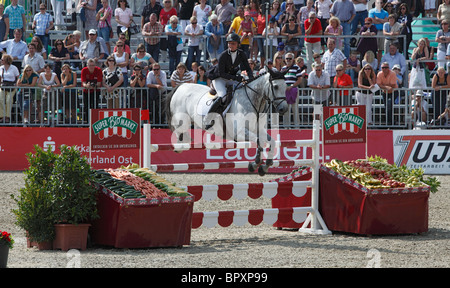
[384, 67]
[367, 68]
[289, 58]
[155, 69]
[316, 57]
[119, 45]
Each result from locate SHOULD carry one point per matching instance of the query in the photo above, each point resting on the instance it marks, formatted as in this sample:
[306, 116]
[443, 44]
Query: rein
[265, 97]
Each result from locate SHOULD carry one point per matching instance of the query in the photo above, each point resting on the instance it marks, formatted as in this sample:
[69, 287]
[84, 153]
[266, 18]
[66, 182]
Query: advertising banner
[344, 124]
[115, 128]
[17, 141]
[426, 149]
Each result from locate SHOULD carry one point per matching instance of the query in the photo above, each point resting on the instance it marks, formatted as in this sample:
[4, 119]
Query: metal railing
[59, 107]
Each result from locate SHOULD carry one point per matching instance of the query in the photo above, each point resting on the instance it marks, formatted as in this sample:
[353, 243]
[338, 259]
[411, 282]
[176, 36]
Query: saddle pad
[204, 103]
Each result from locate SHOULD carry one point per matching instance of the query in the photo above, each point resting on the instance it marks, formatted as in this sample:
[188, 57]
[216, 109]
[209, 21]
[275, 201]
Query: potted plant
[74, 199]
[34, 204]
[6, 243]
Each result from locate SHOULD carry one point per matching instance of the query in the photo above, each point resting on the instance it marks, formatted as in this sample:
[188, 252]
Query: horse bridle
[271, 102]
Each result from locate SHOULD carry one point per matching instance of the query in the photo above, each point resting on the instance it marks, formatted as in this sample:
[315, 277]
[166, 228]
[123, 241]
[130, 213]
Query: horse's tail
[167, 111]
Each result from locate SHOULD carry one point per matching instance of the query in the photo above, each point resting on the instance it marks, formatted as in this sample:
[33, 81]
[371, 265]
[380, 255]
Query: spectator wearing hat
[419, 108]
[272, 32]
[91, 48]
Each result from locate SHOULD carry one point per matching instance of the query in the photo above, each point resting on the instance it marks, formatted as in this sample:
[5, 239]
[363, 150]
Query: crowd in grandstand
[330, 56]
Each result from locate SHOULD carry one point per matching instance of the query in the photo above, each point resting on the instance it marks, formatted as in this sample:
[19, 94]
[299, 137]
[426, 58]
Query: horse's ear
[276, 74]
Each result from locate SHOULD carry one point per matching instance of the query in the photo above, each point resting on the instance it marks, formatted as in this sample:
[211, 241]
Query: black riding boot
[216, 107]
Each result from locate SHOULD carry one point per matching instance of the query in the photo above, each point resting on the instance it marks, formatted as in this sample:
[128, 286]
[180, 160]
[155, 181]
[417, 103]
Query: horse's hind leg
[252, 166]
[263, 168]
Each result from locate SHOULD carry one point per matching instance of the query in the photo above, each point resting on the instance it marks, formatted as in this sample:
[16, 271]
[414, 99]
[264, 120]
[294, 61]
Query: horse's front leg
[263, 168]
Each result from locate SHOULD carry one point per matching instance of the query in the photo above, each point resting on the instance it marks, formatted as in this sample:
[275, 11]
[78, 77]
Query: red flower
[6, 239]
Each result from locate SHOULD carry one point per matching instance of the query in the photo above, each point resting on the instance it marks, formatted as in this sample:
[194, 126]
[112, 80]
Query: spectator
[398, 72]
[112, 79]
[126, 47]
[253, 69]
[69, 94]
[302, 16]
[367, 43]
[342, 80]
[323, 8]
[16, 48]
[122, 61]
[138, 99]
[319, 81]
[387, 81]
[194, 31]
[334, 28]
[353, 66]
[269, 65]
[288, 13]
[300, 62]
[200, 77]
[77, 42]
[444, 118]
[367, 81]
[39, 48]
[280, 49]
[420, 54]
[291, 31]
[58, 7]
[42, 24]
[332, 58]
[278, 61]
[442, 13]
[275, 11]
[236, 25]
[155, 29]
[379, 17]
[90, 10]
[344, 10]
[8, 77]
[103, 17]
[16, 16]
[157, 83]
[419, 109]
[58, 54]
[214, 31]
[224, 11]
[27, 81]
[124, 17]
[293, 79]
[272, 34]
[164, 18]
[442, 38]
[91, 48]
[175, 44]
[185, 12]
[194, 70]
[312, 27]
[69, 44]
[180, 76]
[142, 58]
[361, 13]
[317, 60]
[91, 81]
[405, 19]
[48, 80]
[260, 27]
[202, 11]
[394, 57]
[247, 29]
[391, 29]
[33, 59]
[4, 24]
[369, 58]
[151, 8]
[440, 84]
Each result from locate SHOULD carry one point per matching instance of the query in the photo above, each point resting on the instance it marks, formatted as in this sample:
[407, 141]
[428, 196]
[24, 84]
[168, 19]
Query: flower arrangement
[6, 239]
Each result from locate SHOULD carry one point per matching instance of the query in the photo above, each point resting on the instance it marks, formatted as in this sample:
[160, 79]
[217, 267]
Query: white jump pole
[147, 143]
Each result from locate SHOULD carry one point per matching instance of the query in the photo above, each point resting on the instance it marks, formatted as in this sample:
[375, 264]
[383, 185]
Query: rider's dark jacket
[228, 70]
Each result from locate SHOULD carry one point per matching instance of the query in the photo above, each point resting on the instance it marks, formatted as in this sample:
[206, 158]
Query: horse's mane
[275, 75]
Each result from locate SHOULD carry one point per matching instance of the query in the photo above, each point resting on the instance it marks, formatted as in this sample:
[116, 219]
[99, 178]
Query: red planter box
[288, 200]
[141, 223]
[347, 206]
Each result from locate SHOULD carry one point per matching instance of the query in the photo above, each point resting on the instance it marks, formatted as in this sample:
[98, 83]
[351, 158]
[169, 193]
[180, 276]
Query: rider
[225, 75]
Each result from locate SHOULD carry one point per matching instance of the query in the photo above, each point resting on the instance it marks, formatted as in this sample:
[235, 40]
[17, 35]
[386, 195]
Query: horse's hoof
[258, 160]
[252, 167]
[261, 170]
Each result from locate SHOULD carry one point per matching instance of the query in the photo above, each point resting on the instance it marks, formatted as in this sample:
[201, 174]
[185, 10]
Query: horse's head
[277, 91]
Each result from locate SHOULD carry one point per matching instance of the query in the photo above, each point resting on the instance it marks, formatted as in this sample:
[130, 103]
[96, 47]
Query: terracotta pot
[71, 236]
[47, 245]
[4, 251]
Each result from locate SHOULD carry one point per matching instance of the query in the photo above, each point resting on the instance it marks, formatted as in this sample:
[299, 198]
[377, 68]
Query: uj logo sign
[344, 124]
[115, 128]
[115, 123]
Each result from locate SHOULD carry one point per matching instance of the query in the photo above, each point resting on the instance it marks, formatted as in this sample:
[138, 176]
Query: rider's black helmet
[233, 37]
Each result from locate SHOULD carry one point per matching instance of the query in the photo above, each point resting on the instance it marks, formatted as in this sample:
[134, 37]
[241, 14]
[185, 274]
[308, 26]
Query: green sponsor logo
[344, 118]
[115, 122]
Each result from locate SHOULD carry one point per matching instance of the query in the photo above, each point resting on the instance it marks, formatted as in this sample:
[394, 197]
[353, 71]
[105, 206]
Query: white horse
[250, 103]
